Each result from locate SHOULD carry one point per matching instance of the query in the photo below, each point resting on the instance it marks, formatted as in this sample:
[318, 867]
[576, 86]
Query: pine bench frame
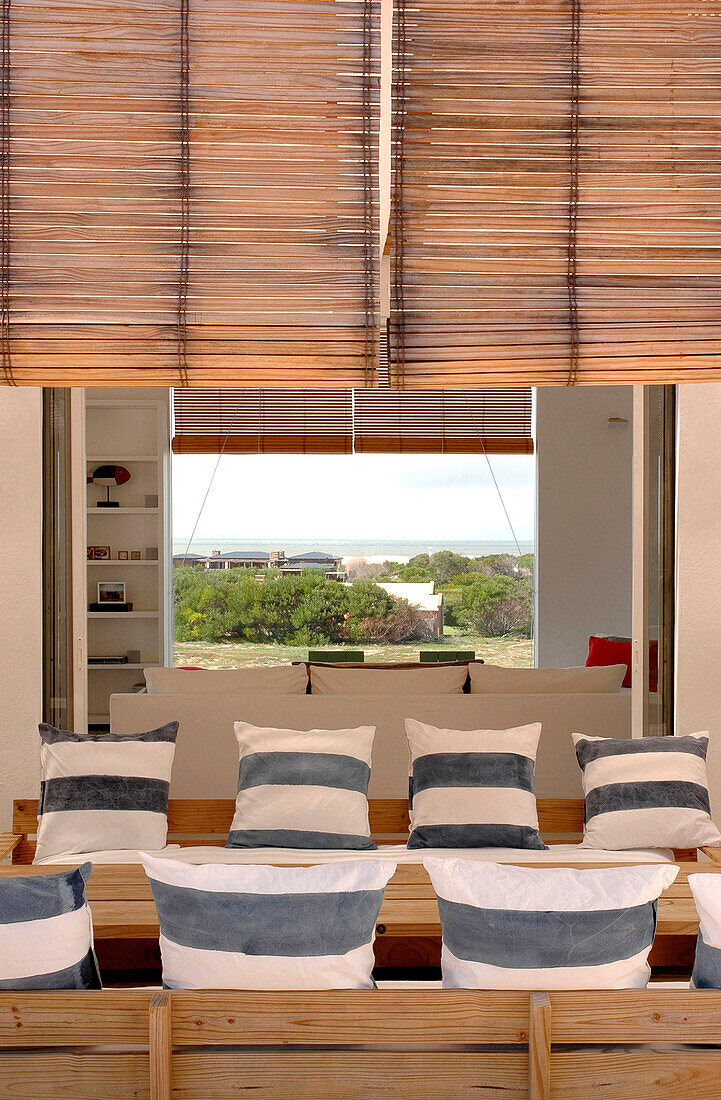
[339, 1044]
[123, 909]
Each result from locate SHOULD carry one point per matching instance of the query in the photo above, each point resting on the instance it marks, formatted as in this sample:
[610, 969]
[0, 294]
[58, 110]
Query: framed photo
[123, 555]
[91, 553]
[135, 555]
[101, 553]
[111, 591]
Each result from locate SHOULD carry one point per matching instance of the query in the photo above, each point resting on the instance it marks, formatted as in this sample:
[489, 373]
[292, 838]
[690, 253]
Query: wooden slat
[67, 1018]
[8, 843]
[82, 1076]
[539, 1048]
[160, 1047]
[619, 1075]
[328, 1075]
[346, 1017]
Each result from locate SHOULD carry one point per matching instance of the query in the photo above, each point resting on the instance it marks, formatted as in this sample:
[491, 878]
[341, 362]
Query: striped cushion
[646, 793]
[302, 789]
[706, 890]
[550, 928]
[103, 791]
[268, 927]
[473, 788]
[46, 932]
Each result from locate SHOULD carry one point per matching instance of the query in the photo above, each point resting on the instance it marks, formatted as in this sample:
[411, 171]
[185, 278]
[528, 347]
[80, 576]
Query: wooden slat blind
[496, 421]
[282, 218]
[483, 158]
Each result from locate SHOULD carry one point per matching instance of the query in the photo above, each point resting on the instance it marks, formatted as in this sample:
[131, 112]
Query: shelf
[124, 458]
[147, 664]
[123, 561]
[121, 511]
[122, 614]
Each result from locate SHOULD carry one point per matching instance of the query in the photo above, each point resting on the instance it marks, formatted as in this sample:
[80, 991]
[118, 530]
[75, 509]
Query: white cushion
[546, 928]
[706, 890]
[495, 680]
[473, 788]
[275, 680]
[103, 790]
[268, 927]
[644, 793]
[46, 932]
[444, 680]
[302, 789]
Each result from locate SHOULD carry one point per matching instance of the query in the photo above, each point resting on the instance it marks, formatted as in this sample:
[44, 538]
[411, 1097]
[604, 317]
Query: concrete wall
[20, 593]
[698, 594]
[583, 526]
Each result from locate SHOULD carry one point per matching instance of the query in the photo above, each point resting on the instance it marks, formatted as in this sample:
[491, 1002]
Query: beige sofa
[206, 761]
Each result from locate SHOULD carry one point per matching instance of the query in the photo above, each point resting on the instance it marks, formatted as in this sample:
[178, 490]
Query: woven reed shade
[289, 421]
[271, 210]
[484, 283]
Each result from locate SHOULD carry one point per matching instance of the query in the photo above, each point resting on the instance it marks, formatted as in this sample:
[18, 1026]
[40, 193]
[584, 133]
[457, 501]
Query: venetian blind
[284, 421]
[195, 172]
[556, 214]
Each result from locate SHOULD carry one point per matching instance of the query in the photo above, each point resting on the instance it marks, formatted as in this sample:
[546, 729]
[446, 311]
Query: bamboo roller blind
[556, 161]
[275, 192]
[285, 421]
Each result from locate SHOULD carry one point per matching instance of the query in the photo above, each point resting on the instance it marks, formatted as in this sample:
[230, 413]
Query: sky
[353, 497]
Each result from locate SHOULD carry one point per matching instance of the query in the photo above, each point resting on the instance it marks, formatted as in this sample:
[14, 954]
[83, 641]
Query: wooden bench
[376, 1043]
[408, 926]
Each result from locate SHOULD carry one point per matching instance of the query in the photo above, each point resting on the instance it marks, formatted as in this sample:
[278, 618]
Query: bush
[497, 606]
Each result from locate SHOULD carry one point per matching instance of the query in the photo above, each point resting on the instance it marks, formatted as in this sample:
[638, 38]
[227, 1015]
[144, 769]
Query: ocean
[371, 549]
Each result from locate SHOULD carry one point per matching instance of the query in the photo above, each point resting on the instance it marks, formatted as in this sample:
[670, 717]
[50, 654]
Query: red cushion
[617, 651]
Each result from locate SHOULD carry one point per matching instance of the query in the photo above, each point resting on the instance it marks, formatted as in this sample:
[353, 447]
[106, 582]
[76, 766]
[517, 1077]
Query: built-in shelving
[123, 427]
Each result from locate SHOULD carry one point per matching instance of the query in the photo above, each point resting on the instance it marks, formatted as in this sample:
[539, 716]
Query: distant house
[261, 559]
[422, 596]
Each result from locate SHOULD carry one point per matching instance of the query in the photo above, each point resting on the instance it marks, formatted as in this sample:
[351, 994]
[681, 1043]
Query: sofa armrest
[8, 843]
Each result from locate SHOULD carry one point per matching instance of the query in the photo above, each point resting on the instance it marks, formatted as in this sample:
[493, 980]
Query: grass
[510, 652]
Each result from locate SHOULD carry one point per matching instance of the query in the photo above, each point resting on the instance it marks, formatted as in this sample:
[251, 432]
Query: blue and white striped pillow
[302, 789]
[46, 932]
[473, 788]
[706, 890]
[646, 793]
[103, 791]
[242, 927]
[546, 928]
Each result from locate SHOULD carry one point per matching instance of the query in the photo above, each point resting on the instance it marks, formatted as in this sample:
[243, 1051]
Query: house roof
[312, 555]
[241, 555]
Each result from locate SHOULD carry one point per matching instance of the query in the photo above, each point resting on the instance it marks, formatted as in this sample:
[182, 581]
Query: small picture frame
[123, 555]
[111, 591]
[101, 553]
[91, 553]
[135, 555]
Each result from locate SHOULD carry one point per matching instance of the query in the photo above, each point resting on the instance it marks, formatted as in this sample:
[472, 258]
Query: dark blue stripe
[654, 795]
[50, 735]
[38, 897]
[523, 940]
[83, 975]
[316, 769]
[706, 966]
[291, 925]
[295, 838]
[587, 751]
[105, 792]
[476, 836]
[473, 769]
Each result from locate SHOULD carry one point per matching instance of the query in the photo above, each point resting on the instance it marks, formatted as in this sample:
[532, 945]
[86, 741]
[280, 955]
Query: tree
[497, 606]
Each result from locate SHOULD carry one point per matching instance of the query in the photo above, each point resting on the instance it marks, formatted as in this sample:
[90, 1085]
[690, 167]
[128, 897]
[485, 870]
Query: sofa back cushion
[706, 890]
[495, 680]
[443, 680]
[46, 932]
[275, 680]
[302, 788]
[646, 793]
[236, 927]
[473, 788]
[103, 791]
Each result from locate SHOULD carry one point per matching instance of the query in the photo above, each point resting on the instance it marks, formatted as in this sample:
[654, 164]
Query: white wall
[20, 593]
[583, 526]
[698, 594]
